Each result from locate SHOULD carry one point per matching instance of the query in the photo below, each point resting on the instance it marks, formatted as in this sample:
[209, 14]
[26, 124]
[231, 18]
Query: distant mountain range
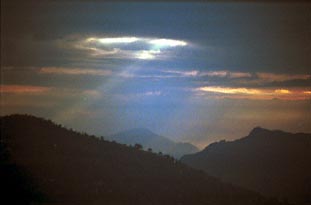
[156, 142]
[44, 163]
[273, 163]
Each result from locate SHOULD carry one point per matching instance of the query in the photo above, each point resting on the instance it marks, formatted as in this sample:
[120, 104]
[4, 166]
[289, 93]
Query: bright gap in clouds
[114, 40]
[148, 54]
[153, 41]
[167, 42]
[126, 47]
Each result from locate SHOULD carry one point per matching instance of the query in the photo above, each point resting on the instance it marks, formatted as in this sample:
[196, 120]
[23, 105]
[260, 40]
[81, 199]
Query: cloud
[74, 71]
[226, 74]
[130, 47]
[283, 91]
[167, 43]
[218, 74]
[221, 74]
[101, 52]
[271, 77]
[23, 89]
[275, 80]
[142, 76]
[152, 93]
[114, 40]
[228, 78]
[220, 78]
[160, 43]
[239, 75]
[50, 91]
[228, 90]
[178, 73]
[146, 54]
[250, 93]
[258, 76]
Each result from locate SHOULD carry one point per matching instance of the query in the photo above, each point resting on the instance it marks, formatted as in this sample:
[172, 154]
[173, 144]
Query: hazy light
[114, 40]
[155, 41]
[167, 42]
[230, 90]
[282, 91]
[147, 54]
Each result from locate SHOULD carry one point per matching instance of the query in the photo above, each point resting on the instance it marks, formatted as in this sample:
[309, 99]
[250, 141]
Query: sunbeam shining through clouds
[195, 72]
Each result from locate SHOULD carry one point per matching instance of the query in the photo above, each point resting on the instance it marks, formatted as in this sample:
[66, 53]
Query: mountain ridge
[157, 143]
[273, 163]
[64, 166]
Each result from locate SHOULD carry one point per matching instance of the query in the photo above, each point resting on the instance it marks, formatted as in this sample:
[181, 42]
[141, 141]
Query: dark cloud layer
[240, 36]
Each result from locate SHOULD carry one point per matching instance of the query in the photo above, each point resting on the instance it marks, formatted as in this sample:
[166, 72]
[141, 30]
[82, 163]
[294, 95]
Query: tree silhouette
[138, 146]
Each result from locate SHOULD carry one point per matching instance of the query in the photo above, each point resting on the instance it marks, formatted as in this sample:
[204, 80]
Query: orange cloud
[239, 75]
[23, 89]
[228, 90]
[282, 91]
[74, 71]
[51, 91]
[249, 93]
[270, 77]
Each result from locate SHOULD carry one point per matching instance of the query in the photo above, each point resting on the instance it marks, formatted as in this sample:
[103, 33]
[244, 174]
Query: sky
[196, 72]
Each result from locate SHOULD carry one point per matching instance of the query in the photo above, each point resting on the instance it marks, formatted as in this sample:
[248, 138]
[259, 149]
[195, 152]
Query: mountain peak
[258, 131]
[156, 142]
[272, 162]
[139, 132]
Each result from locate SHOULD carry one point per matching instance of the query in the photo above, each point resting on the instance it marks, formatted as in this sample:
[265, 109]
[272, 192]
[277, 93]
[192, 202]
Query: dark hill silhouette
[156, 142]
[274, 163]
[59, 166]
